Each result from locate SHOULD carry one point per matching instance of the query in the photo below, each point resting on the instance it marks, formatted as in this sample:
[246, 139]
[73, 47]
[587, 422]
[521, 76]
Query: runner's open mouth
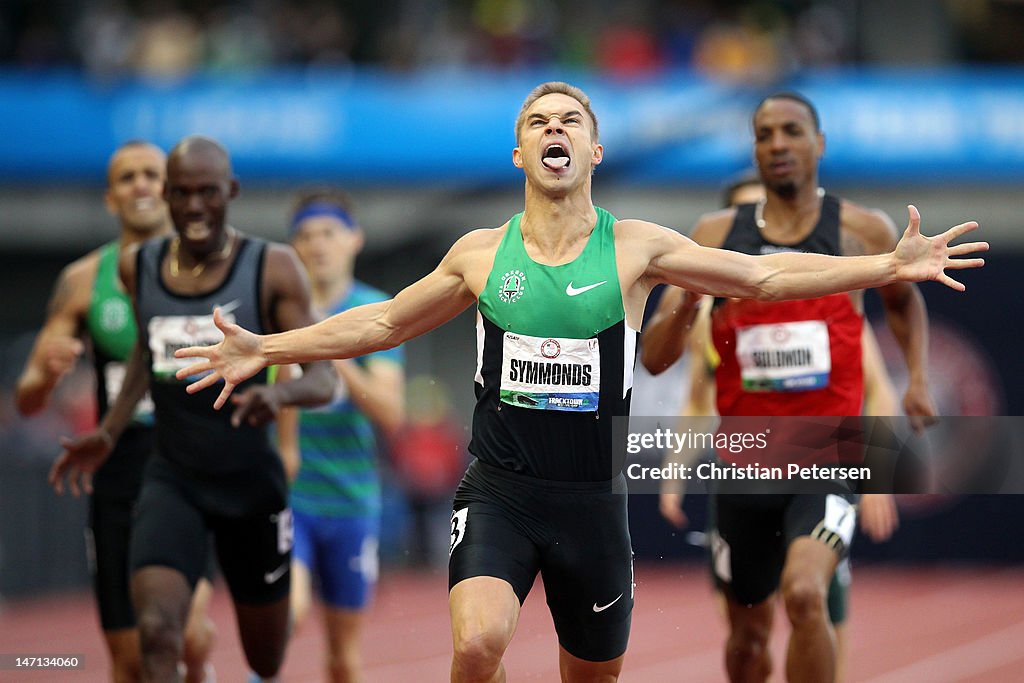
[555, 157]
[196, 231]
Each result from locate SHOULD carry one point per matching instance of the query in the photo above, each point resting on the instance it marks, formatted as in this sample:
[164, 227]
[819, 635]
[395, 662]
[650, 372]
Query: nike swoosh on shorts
[604, 607]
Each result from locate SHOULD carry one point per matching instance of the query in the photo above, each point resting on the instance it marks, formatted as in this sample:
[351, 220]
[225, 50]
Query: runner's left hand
[919, 407]
[878, 516]
[257, 406]
[920, 258]
[81, 457]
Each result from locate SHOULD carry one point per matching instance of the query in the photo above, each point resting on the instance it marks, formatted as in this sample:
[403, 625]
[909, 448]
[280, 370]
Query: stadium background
[409, 105]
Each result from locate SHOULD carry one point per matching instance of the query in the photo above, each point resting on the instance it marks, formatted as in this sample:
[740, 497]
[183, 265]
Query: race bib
[840, 518]
[545, 373]
[113, 379]
[167, 334]
[790, 356]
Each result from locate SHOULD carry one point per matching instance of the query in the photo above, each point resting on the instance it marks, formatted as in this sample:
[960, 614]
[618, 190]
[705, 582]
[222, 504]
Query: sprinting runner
[560, 290]
[88, 301]
[212, 473]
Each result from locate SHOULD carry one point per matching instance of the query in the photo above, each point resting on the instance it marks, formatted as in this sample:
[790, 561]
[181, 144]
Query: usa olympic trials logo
[512, 286]
[550, 348]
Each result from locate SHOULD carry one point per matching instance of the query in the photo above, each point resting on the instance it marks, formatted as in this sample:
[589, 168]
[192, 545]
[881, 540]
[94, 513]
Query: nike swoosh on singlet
[227, 308]
[574, 291]
[604, 607]
[271, 577]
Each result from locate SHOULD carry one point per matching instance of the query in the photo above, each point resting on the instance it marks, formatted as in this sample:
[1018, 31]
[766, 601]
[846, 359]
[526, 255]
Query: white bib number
[546, 373]
[285, 530]
[113, 379]
[170, 333]
[840, 518]
[791, 356]
[459, 518]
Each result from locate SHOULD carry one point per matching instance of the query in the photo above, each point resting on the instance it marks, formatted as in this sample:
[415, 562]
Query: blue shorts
[341, 553]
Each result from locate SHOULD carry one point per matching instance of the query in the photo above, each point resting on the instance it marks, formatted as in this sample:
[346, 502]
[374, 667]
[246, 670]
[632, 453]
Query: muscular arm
[676, 260]
[698, 414]
[700, 401]
[908, 319]
[419, 308]
[289, 307]
[905, 313]
[772, 277]
[136, 383]
[84, 455]
[57, 346]
[664, 337]
[879, 393]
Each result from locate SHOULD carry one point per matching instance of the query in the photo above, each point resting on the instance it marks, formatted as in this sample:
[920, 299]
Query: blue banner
[456, 128]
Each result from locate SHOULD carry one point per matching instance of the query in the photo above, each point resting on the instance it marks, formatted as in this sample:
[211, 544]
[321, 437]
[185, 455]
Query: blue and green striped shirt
[338, 476]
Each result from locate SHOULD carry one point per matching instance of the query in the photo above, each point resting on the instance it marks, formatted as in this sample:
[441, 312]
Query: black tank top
[189, 431]
[746, 238]
[826, 329]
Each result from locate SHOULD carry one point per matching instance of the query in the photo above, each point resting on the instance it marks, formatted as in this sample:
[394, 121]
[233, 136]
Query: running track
[927, 625]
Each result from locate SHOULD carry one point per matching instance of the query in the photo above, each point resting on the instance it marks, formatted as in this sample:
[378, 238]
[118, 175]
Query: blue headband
[315, 209]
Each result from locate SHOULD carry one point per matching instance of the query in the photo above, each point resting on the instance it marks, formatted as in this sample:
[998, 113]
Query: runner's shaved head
[199, 145]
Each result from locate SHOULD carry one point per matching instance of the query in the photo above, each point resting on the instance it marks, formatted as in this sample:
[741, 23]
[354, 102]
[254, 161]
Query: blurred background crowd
[733, 38]
[305, 91]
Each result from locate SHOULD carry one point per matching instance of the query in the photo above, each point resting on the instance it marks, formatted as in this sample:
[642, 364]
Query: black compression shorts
[246, 513]
[575, 534]
[838, 588]
[107, 539]
[754, 532]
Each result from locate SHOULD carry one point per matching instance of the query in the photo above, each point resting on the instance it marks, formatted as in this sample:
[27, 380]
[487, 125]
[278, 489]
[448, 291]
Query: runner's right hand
[671, 507]
[81, 457]
[60, 354]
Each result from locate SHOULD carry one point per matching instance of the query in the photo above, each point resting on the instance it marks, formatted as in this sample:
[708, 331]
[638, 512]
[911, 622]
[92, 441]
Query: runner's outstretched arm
[776, 277]
[419, 308]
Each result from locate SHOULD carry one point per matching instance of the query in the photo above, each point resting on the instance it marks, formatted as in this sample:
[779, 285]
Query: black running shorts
[575, 534]
[754, 531]
[246, 513]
